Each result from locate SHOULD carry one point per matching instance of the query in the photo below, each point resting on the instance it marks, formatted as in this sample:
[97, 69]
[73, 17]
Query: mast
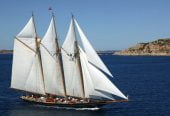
[78, 59]
[58, 51]
[38, 51]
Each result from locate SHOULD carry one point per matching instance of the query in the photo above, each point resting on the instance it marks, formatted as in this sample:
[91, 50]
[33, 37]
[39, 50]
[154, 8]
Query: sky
[108, 24]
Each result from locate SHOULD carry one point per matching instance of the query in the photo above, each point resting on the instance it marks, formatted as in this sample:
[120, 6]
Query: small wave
[88, 108]
[68, 108]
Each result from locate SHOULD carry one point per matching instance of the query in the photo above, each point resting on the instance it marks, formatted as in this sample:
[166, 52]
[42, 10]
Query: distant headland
[6, 51]
[160, 47]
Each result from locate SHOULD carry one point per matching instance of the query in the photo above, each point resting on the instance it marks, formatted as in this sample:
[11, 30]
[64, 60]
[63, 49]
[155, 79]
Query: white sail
[34, 82]
[91, 53]
[29, 30]
[51, 64]
[28, 34]
[24, 61]
[88, 83]
[101, 82]
[70, 64]
[95, 79]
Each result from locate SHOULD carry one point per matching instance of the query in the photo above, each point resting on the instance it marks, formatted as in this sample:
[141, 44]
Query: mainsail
[26, 70]
[51, 62]
[70, 64]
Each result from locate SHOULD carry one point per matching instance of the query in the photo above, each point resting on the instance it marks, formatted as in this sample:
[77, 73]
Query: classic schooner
[66, 76]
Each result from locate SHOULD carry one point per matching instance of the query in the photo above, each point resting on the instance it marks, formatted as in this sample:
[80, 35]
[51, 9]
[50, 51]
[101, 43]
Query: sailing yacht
[66, 76]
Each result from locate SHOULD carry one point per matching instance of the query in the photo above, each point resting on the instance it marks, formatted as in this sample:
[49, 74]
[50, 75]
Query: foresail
[24, 59]
[51, 64]
[101, 82]
[88, 85]
[91, 53]
[90, 91]
[70, 65]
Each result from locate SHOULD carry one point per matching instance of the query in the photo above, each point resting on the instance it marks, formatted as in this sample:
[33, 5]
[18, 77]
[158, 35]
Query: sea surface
[145, 79]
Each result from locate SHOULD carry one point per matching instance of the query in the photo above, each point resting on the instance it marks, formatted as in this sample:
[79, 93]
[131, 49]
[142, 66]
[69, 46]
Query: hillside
[160, 47]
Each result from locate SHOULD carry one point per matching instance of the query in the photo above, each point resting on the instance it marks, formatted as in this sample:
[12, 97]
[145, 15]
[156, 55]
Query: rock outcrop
[160, 47]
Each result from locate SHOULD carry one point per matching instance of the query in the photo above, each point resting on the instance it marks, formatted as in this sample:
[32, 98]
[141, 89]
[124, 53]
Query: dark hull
[81, 105]
[75, 105]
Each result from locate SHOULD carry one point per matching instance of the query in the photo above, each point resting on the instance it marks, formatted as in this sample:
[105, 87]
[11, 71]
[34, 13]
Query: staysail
[70, 64]
[90, 91]
[91, 53]
[26, 69]
[51, 62]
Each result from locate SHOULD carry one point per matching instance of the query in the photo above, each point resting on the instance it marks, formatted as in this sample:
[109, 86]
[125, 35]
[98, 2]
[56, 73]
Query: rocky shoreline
[160, 47]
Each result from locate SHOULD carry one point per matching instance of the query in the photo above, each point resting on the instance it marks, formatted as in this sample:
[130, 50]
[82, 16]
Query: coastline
[6, 51]
[160, 47]
[144, 54]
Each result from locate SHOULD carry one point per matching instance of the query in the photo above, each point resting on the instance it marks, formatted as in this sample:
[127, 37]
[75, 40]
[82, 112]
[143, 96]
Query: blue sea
[146, 79]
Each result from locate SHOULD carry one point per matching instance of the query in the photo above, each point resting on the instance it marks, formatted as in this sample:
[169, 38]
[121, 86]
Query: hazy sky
[109, 24]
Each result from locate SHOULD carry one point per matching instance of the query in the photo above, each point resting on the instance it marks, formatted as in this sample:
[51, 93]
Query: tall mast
[78, 58]
[59, 57]
[38, 51]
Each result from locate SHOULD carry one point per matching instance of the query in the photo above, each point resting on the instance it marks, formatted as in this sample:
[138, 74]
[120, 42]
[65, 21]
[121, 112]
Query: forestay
[26, 65]
[51, 62]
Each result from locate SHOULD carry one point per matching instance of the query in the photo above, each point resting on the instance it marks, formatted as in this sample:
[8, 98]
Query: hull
[91, 104]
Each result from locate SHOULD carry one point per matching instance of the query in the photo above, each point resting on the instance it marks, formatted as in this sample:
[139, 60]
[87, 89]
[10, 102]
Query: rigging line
[99, 69]
[49, 51]
[26, 45]
[71, 55]
[68, 54]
